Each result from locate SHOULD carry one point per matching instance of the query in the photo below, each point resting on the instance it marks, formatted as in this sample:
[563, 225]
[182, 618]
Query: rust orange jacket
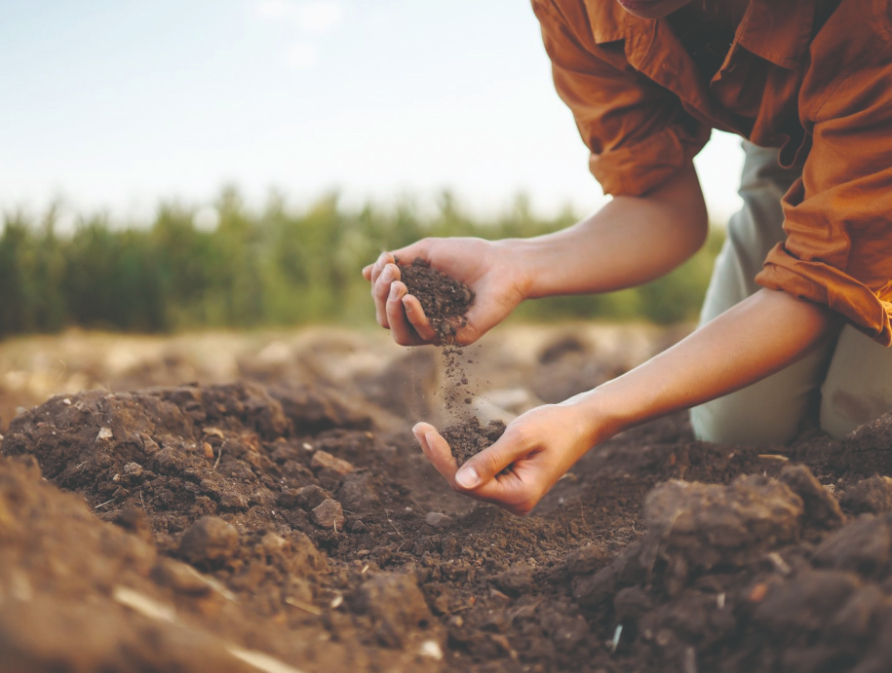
[811, 77]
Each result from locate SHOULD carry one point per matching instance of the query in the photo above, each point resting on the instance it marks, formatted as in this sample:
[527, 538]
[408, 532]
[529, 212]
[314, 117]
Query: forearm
[760, 336]
[630, 241]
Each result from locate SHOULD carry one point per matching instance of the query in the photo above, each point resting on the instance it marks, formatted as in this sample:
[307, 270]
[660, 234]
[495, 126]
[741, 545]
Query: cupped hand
[486, 267]
[538, 448]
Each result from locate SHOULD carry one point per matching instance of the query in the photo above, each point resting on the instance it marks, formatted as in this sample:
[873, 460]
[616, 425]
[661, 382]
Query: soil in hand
[445, 300]
[470, 438]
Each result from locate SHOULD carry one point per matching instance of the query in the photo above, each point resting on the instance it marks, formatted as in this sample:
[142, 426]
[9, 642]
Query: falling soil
[469, 439]
[445, 300]
[247, 527]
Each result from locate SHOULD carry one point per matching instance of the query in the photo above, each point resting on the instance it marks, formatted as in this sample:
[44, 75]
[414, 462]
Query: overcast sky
[113, 104]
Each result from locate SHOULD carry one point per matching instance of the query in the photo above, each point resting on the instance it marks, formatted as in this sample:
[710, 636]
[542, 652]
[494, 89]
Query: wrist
[525, 259]
[593, 417]
[518, 257]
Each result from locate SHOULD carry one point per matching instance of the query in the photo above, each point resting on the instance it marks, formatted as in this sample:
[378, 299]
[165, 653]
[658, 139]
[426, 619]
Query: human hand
[538, 447]
[487, 267]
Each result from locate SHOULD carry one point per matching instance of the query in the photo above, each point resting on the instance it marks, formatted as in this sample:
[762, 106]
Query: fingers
[436, 449]
[381, 291]
[483, 467]
[417, 318]
[374, 270]
[510, 491]
[402, 330]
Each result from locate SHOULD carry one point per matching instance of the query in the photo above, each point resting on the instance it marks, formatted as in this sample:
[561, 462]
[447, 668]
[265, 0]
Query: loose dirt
[290, 525]
[471, 438]
[445, 300]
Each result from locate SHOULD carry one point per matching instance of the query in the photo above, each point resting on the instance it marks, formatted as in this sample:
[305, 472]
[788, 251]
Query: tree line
[274, 266]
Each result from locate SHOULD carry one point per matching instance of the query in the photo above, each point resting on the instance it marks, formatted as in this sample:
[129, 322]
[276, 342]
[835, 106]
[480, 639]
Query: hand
[538, 447]
[487, 267]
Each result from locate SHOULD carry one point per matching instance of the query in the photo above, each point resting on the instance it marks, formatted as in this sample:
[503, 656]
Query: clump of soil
[445, 300]
[470, 438]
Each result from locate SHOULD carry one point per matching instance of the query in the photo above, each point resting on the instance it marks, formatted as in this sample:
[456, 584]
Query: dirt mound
[245, 527]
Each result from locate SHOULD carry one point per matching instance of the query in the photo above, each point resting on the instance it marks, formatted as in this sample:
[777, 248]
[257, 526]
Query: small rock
[310, 497]
[104, 433]
[133, 469]
[209, 539]
[437, 519]
[431, 650]
[324, 460]
[329, 514]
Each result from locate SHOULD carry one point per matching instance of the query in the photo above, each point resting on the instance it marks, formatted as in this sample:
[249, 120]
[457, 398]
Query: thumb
[481, 468]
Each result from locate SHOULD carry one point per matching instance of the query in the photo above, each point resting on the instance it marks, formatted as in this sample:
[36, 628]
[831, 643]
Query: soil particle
[208, 540]
[822, 508]
[328, 514]
[470, 438]
[873, 495]
[445, 300]
[395, 605]
[324, 460]
[516, 580]
[437, 519]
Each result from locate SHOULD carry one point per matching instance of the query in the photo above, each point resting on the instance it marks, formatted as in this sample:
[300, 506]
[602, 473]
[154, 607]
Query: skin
[628, 242]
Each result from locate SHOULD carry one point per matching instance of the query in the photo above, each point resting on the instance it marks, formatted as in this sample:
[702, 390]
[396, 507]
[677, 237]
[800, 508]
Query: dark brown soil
[445, 300]
[244, 527]
[470, 438]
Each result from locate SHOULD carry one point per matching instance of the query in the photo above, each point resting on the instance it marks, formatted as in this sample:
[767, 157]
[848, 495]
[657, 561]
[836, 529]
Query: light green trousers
[844, 385]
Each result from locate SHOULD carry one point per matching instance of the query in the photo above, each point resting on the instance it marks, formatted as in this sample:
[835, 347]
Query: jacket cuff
[634, 170]
[828, 285]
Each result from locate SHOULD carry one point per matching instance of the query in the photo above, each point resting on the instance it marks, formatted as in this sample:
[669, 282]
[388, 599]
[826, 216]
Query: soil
[445, 300]
[469, 439]
[285, 524]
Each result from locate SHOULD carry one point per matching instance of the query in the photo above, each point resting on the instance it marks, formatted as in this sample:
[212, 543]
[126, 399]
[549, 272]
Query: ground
[256, 502]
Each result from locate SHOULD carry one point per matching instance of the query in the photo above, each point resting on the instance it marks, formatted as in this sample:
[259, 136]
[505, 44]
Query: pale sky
[117, 104]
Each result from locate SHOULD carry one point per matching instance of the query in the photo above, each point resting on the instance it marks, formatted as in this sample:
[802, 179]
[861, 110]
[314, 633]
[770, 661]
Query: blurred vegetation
[275, 267]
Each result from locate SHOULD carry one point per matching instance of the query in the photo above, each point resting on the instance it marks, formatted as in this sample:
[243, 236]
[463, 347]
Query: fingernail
[394, 292]
[467, 477]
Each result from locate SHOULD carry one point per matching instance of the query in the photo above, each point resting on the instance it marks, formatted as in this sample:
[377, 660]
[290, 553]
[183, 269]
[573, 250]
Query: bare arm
[756, 338]
[629, 241]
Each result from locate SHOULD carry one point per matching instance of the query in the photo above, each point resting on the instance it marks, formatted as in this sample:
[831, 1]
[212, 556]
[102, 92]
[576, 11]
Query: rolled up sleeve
[838, 216]
[638, 132]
